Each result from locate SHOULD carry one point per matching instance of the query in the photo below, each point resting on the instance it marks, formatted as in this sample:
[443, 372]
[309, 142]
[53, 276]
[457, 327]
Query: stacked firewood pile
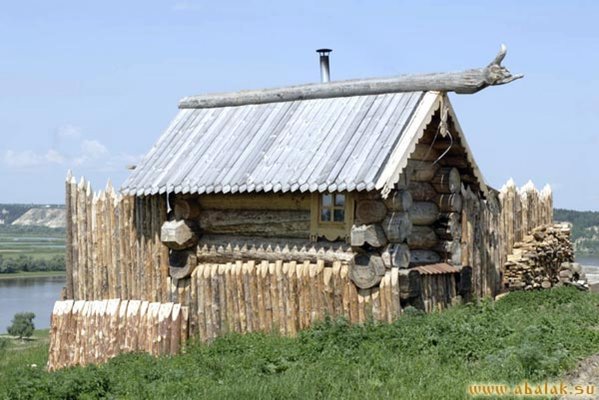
[542, 259]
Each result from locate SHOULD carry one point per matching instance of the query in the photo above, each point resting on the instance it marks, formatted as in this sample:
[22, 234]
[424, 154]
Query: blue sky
[91, 85]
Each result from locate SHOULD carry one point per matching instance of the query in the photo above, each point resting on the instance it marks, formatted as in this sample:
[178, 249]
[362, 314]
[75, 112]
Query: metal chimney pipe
[325, 72]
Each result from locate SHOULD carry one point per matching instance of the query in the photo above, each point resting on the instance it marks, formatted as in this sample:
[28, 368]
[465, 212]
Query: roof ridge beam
[464, 82]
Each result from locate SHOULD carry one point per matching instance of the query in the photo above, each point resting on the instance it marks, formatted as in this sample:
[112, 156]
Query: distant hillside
[585, 229]
[10, 212]
[50, 217]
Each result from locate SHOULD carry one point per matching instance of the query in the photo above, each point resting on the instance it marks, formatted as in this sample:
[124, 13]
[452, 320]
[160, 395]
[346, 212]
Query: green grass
[37, 246]
[532, 336]
[34, 274]
[19, 353]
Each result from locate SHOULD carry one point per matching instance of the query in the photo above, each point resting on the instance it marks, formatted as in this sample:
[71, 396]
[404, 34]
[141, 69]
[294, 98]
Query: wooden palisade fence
[113, 245]
[119, 287]
[86, 332]
[283, 297]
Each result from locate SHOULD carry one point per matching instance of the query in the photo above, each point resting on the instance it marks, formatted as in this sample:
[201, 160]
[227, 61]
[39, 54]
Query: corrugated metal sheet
[434, 269]
[333, 144]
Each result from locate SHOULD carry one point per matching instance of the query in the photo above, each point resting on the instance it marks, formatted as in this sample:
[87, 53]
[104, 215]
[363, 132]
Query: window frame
[331, 230]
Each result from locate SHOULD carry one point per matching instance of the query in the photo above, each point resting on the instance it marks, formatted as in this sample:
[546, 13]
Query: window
[332, 216]
[332, 208]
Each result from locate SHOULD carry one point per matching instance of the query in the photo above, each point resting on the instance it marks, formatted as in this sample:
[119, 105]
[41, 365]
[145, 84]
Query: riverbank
[590, 266]
[26, 353]
[526, 336]
[34, 274]
[30, 292]
[39, 337]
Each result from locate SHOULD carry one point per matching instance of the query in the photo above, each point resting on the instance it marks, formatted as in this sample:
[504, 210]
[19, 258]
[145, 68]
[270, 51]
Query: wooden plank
[281, 297]
[208, 312]
[345, 284]
[260, 297]
[285, 296]
[292, 309]
[240, 296]
[175, 339]
[247, 300]
[274, 296]
[395, 293]
[383, 297]
[74, 239]
[184, 325]
[361, 308]
[307, 293]
[235, 291]
[337, 286]
[69, 234]
[328, 292]
[230, 305]
[164, 327]
[254, 307]
[122, 326]
[215, 301]
[318, 307]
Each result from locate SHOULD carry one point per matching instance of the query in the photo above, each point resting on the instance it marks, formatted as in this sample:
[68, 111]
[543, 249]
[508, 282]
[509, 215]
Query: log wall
[85, 332]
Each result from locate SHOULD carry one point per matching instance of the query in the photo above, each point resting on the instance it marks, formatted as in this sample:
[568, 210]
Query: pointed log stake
[464, 82]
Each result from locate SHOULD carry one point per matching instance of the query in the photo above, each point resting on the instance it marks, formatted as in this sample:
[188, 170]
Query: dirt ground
[586, 374]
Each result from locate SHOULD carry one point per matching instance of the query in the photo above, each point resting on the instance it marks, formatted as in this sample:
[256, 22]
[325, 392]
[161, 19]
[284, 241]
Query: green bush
[22, 325]
[3, 345]
[24, 263]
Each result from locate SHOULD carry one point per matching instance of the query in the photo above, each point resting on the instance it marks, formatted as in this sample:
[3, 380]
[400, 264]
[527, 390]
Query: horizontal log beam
[424, 213]
[226, 248]
[464, 82]
[271, 223]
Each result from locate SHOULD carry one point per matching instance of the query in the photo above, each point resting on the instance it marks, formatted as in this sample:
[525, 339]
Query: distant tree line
[581, 220]
[586, 241]
[32, 229]
[24, 263]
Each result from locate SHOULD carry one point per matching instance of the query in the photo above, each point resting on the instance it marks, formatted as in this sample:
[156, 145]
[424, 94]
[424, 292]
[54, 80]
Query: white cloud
[84, 153]
[53, 156]
[68, 132]
[93, 149]
[29, 159]
[21, 159]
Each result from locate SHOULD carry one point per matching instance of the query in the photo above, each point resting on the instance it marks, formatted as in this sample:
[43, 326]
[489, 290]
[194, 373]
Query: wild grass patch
[526, 336]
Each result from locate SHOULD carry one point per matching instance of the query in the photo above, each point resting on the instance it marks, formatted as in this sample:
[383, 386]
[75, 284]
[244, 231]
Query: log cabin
[369, 172]
[268, 210]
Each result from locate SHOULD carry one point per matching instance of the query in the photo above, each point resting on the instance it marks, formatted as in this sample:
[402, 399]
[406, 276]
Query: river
[30, 294]
[590, 267]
